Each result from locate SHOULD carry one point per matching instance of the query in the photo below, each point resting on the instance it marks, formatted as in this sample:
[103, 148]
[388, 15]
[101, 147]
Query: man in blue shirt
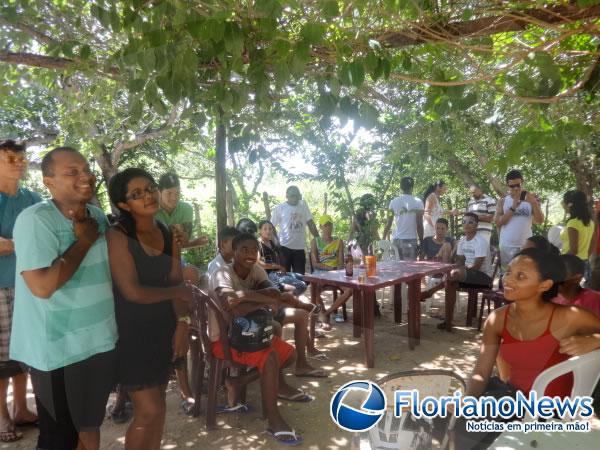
[13, 200]
[64, 324]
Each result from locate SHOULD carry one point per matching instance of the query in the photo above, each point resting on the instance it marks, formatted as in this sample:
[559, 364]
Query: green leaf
[368, 115]
[347, 107]
[101, 14]
[136, 85]
[136, 107]
[268, 8]
[330, 9]
[405, 61]
[252, 157]
[467, 101]
[297, 65]
[357, 73]
[371, 62]
[326, 104]
[343, 73]
[147, 60]
[160, 107]
[10, 14]
[234, 39]
[387, 67]
[151, 93]
[313, 33]
[85, 51]
[115, 20]
[215, 30]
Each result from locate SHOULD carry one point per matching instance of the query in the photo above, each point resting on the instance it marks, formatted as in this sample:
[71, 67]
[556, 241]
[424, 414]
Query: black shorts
[72, 399]
[9, 369]
[293, 260]
[477, 277]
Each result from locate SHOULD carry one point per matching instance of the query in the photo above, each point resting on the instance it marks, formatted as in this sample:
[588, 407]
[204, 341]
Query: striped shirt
[78, 320]
[484, 205]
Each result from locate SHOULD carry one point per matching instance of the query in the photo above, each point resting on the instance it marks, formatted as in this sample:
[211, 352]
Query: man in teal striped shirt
[64, 326]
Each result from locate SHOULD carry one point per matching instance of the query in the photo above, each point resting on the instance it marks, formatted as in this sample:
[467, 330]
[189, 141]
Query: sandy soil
[455, 351]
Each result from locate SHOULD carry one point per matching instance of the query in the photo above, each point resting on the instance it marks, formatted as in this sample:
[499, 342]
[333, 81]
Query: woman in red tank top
[531, 333]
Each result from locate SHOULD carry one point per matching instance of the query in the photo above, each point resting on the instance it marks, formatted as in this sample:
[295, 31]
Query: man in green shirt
[175, 212]
[179, 216]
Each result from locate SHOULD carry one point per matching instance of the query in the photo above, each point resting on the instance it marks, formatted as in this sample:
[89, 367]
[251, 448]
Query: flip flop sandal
[315, 373]
[319, 356]
[27, 423]
[120, 416]
[239, 408]
[10, 435]
[316, 309]
[338, 318]
[187, 406]
[280, 436]
[300, 397]
[320, 335]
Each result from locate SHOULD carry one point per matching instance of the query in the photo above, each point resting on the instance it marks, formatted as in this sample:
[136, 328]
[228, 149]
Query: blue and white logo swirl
[352, 419]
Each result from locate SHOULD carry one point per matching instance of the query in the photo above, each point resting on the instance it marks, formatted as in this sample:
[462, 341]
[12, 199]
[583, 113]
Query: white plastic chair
[405, 433]
[586, 373]
[389, 252]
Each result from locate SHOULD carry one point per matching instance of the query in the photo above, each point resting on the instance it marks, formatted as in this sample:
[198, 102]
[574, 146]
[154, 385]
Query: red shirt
[587, 299]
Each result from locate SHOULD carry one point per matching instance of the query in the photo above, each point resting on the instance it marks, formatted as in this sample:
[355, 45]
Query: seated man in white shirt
[225, 254]
[472, 255]
[243, 287]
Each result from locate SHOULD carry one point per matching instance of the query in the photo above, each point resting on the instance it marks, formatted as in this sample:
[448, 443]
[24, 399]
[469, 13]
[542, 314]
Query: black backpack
[252, 332]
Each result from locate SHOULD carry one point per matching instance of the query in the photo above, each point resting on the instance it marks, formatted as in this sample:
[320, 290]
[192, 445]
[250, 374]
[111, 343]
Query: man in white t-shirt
[485, 207]
[514, 216]
[408, 211]
[225, 254]
[472, 255]
[291, 219]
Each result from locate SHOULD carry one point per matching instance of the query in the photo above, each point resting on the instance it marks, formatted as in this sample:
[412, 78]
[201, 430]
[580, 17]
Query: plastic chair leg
[483, 300]
[197, 373]
[471, 306]
[216, 369]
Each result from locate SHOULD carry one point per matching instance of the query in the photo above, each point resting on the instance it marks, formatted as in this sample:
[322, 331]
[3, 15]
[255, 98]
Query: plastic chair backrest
[495, 261]
[586, 373]
[389, 251]
[203, 305]
[404, 432]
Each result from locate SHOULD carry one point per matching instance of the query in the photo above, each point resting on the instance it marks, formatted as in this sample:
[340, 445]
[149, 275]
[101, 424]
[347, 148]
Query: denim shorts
[407, 249]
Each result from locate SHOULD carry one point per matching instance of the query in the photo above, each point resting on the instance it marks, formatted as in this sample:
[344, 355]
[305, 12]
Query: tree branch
[30, 31]
[486, 26]
[33, 60]
[147, 135]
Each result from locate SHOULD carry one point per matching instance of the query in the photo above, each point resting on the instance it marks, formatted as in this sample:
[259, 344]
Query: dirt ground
[455, 351]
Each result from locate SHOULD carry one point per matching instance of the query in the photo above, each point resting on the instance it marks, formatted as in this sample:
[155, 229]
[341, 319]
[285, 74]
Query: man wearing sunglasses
[514, 216]
[472, 255]
[13, 200]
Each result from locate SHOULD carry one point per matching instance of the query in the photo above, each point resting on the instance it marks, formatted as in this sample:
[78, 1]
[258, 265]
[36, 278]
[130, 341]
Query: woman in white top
[433, 207]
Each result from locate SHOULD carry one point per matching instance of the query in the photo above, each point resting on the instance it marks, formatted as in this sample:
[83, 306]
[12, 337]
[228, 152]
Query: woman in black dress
[150, 303]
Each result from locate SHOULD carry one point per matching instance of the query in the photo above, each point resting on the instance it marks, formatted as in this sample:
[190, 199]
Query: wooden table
[389, 273]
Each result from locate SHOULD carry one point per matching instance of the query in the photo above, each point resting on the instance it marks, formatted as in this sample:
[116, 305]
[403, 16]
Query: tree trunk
[229, 203]
[584, 168]
[265, 199]
[325, 203]
[220, 174]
